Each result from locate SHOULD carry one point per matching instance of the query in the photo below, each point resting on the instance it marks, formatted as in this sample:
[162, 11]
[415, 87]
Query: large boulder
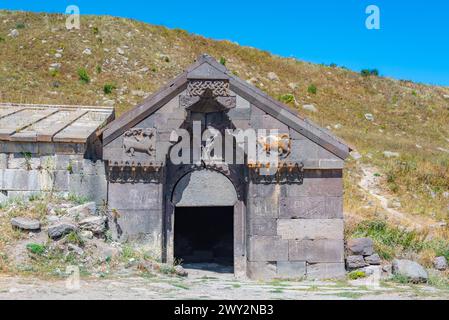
[82, 211]
[440, 263]
[360, 246]
[96, 224]
[373, 259]
[26, 223]
[355, 262]
[57, 230]
[410, 269]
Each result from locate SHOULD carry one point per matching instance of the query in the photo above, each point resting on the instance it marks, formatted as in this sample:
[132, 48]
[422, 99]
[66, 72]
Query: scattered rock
[139, 93]
[390, 154]
[410, 269]
[87, 51]
[97, 224]
[440, 263]
[86, 234]
[55, 66]
[310, 107]
[82, 211]
[293, 86]
[446, 96]
[360, 246]
[60, 229]
[369, 117]
[53, 219]
[120, 51]
[355, 262]
[180, 271]
[26, 223]
[355, 155]
[373, 259]
[443, 149]
[75, 249]
[273, 76]
[446, 195]
[58, 55]
[338, 126]
[13, 33]
[388, 269]
[370, 270]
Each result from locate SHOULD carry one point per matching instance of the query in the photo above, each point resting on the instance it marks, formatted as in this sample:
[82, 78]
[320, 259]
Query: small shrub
[20, 25]
[98, 69]
[36, 248]
[356, 274]
[108, 88]
[287, 98]
[95, 30]
[312, 89]
[333, 65]
[223, 60]
[77, 199]
[74, 238]
[70, 168]
[2, 39]
[369, 72]
[83, 75]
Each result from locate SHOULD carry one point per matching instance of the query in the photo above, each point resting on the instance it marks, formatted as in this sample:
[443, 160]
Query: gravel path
[206, 285]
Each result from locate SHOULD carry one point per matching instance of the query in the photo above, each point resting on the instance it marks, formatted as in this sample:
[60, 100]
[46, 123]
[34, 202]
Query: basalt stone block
[320, 271]
[291, 269]
[313, 229]
[262, 270]
[360, 246]
[3, 161]
[266, 248]
[313, 187]
[263, 207]
[136, 224]
[311, 207]
[314, 251]
[263, 227]
[136, 196]
[25, 223]
[355, 262]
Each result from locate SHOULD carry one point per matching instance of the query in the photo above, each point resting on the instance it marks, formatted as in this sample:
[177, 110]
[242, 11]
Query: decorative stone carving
[283, 173]
[281, 143]
[125, 171]
[139, 140]
[215, 88]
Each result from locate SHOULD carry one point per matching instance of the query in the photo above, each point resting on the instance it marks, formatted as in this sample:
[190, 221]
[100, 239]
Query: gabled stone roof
[51, 123]
[207, 67]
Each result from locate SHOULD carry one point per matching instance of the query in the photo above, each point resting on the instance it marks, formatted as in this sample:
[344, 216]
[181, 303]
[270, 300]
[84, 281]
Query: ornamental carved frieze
[139, 140]
[213, 88]
[133, 172]
[207, 95]
[284, 172]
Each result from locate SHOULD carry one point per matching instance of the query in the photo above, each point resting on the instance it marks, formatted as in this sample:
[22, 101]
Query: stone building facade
[286, 219]
[208, 169]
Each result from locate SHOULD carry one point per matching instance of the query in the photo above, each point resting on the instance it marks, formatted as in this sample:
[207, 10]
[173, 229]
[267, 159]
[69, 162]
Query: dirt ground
[202, 284]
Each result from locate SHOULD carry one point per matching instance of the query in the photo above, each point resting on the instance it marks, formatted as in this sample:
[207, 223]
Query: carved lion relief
[139, 140]
[280, 143]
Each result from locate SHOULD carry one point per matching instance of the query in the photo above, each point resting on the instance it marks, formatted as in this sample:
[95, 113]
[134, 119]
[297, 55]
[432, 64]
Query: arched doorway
[207, 221]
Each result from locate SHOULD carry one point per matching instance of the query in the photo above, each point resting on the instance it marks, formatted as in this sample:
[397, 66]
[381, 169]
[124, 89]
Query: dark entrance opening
[204, 235]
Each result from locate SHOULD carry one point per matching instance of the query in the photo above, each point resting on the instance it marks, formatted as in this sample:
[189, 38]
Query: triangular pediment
[207, 69]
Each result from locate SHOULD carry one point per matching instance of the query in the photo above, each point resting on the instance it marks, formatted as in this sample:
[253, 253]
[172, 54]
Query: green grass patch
[83, 75]
[287, 98]
[312, 89]
[356, 274]
[108, 88]
[36, 248]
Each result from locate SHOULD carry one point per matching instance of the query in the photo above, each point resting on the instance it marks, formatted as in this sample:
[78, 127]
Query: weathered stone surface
[313, 187]
[136, 196]
[82, 211]
[75, 249]
[360, 246]
[313, 229]
[311, 207]
[291, 269]
[373, 259]
[180, 271]
[136, 225]
[314, 251]
[95, 224]
[265, 248]
[263, 227]
[263, 207]
[25, 223]
[262, 270]
[410, 269]
[317, 271]
[440, 263]
[60, 229]
[355, 262]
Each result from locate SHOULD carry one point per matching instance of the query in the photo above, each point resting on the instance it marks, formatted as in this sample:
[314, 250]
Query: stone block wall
[296, 230]
[38, 168]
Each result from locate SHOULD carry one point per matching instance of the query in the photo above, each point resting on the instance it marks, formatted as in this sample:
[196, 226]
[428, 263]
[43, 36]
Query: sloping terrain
[400, 128]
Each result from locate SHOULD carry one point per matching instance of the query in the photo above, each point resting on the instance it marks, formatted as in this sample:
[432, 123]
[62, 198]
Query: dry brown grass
[406, 114]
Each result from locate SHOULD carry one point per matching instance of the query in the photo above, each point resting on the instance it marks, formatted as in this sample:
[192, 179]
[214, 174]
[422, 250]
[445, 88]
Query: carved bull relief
[280, 142]
[139, 140]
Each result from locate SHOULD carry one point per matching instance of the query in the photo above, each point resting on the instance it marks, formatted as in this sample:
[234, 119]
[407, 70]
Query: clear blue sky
[413, 42]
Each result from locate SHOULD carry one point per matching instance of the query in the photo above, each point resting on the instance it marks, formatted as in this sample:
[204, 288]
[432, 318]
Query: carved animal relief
[139, 140]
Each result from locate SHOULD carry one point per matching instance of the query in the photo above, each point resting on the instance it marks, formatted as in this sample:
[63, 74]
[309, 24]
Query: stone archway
[208, 189]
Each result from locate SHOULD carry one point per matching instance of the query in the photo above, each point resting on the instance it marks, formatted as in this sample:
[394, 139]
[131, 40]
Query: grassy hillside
[119, 61]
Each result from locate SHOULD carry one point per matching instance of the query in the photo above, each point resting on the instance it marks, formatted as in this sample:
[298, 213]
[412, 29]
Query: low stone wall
[26, 173]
